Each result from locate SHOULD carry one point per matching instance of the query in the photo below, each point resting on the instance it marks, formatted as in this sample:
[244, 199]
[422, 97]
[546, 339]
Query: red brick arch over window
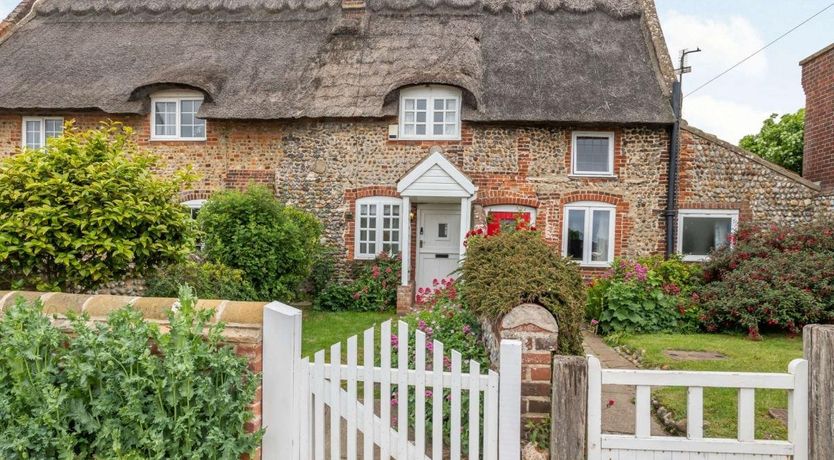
[350, 215]
[622, 225]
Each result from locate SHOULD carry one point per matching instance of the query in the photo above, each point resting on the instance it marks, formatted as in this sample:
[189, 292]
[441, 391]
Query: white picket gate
[310, 407]
[643, 446]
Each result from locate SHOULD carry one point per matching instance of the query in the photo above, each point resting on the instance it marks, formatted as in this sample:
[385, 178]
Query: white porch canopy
[435, 179]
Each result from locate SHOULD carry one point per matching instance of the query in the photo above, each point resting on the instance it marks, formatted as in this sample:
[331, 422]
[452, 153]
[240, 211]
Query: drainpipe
[674, 153]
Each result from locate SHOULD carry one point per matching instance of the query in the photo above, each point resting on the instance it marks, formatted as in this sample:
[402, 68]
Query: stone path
[619, 417]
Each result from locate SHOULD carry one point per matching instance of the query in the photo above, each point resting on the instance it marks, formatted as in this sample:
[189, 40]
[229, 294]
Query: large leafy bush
[505, 270]
[123, 389]
[774, 278]
[209, 281]
[643, 296]
[272, 243]
[374, 287]
[87, 209]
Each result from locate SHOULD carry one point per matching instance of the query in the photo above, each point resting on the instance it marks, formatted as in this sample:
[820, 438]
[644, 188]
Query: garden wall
[243, 320]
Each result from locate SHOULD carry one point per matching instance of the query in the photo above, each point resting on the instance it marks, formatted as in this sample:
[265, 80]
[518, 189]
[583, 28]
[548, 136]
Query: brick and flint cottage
[402, 124]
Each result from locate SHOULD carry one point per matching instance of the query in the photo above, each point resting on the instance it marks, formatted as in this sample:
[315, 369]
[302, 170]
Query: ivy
[122, 389]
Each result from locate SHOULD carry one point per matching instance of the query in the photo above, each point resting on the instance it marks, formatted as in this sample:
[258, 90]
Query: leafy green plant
[86, 210]
[538, 432]
[373, 289]
[323, 269]
[209, 281]
[647, 295]
[270, 242]
[122, 389]
[505, 270]
[774, 278]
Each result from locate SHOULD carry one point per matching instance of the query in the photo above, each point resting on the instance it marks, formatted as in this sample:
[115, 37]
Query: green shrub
[272, 243]
[103, 392]
[772, 278]
[374, 288]
[86, 210]
[209, 281]
[649, 295]
[323, 269]
[458, 330]
[505, 270]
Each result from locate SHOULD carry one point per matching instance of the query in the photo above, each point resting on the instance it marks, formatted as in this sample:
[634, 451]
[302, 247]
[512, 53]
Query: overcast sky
[727, 31]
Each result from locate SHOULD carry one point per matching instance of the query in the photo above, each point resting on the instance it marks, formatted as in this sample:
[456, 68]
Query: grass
[772, 354]
[320, 329]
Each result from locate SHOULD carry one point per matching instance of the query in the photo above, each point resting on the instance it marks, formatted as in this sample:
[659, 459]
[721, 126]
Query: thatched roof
[516, 60]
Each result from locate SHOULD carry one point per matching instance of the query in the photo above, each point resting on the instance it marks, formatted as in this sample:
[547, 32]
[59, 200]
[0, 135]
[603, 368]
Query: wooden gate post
[569, 410]
[281, 406]
[509, 401]
[819, 351]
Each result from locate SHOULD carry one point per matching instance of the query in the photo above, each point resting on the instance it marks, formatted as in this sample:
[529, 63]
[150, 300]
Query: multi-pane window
[36, 130]
[701, 231]
[175, 118]
[378, 221]
[194, 207]
[593, 154]
[589, 233]
[430, 112]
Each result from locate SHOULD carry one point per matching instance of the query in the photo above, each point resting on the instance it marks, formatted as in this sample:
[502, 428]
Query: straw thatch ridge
[586, 61]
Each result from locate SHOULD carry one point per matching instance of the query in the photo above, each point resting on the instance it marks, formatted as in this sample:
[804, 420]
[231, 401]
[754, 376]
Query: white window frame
[430, 93]
[177, 97]
[574, 151]
[589, 207]
[714, 213]
[42, 121]
[193, 205]
[379, 201]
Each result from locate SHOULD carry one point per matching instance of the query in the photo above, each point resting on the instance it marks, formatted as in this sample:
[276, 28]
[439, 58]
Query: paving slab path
[617, 418]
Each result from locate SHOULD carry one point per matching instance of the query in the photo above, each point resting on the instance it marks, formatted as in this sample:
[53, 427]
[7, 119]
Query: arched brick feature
[189, 195]
[350, 214]
[499, 198]
[622, 225]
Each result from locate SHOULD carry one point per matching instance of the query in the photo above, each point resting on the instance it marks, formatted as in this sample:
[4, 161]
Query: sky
[728, 31]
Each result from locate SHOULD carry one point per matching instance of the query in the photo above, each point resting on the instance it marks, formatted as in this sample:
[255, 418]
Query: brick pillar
[538, 332]
[405, 299]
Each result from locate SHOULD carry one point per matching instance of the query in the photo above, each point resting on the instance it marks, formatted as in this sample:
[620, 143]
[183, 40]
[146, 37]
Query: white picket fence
[310, 408]
[642, 445]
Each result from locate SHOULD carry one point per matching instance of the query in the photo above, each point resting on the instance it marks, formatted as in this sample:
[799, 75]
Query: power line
[760, 49]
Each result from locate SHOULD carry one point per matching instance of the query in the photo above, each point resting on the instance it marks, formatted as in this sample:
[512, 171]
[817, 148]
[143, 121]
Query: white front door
[438, 242]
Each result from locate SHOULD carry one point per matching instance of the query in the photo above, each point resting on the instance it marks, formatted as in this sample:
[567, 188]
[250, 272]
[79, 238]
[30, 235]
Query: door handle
[421, 244]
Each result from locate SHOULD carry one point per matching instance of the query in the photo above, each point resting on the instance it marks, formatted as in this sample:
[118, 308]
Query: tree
[272, 243]
[780, 142]
[87, 209]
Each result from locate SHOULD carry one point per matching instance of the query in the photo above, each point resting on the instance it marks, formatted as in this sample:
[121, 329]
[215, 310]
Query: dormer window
[174, 116]
[430, 112]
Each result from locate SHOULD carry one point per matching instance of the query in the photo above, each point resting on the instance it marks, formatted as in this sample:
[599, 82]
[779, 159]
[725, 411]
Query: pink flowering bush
[456, 329]
[772, 279]
[374, 287]
[443, 291]
[646, 295]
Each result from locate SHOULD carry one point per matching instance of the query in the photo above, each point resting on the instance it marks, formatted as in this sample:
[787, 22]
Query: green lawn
[720, 405]
[321, 329]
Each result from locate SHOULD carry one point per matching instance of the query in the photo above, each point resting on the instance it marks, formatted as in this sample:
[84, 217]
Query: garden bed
[772, 354]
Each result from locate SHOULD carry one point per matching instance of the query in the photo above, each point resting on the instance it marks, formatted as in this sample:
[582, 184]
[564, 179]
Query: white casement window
[377, 226]
[174, 116]
[593, 153]
[702, 230]
[36, 130]
[430, 112]
[194, 207]
[588, 235]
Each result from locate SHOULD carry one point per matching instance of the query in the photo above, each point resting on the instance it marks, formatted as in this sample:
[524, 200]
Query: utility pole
[674, 151]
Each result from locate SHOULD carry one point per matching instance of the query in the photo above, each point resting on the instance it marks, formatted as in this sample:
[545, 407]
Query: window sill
[593, 176]
[178, 139]
[691, 258]
[426, 139]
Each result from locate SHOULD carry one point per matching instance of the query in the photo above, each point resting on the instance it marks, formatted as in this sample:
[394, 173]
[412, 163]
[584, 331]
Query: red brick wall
[818, 82]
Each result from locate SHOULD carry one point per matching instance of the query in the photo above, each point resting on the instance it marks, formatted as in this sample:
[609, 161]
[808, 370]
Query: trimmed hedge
[505, 270]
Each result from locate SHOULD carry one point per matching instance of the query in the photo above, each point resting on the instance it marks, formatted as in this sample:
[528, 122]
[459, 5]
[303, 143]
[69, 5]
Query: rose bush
[374, 287]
